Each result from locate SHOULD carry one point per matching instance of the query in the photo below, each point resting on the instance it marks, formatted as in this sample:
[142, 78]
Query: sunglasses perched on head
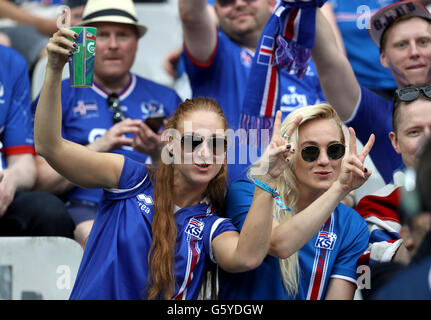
[114, 106]
[227, 3]
[334, 151]
[189, 143]
[409, 94]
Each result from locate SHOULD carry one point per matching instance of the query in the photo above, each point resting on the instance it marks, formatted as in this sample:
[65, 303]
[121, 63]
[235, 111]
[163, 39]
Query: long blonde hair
[287, 185]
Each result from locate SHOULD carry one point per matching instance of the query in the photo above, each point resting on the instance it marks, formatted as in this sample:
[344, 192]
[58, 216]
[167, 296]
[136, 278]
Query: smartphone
[155, 121]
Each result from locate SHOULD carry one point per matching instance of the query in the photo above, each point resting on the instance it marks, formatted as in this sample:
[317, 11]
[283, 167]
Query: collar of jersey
[124, 93]
[204, 201]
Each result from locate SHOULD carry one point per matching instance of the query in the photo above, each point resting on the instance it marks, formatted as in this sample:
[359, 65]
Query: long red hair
[161, 282]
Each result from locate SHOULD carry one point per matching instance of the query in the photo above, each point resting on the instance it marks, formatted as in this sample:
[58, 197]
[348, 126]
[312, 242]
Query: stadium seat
[38, 268]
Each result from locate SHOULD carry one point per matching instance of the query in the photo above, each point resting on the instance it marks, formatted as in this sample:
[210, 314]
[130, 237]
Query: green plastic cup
[81, 63]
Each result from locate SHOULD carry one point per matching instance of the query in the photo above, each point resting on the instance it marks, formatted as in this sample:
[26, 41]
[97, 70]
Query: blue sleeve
[223, 225]
[132, 174]
[18, 129]
[134, 177]
[374, 115]
[238, 201]
[200, 73]
[217, 226]
[354, 245]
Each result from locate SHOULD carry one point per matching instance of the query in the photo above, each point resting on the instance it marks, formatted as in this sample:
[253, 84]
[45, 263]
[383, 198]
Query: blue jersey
[16, 126]
[352, 18]
[374, 115]
[115, 261]
[224, 78]
[412, 283]
[86, 116]
[331, 253]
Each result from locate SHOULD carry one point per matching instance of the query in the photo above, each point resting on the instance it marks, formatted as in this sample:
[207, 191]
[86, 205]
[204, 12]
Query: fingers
[367, 148]
[352, 141]
[62, 42]
[291, 129]
[277, 126]
[349, 168]
[284, 153]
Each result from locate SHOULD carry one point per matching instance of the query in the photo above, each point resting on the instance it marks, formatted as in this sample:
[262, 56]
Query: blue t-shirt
[16, 126]
[413, 283]
[224, 78]
[115, 261]
[374, 115]
[331, 253]
[86, 116]
[352, 18]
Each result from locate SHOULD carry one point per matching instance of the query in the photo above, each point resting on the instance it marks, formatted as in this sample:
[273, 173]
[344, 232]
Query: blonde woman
[315, 244]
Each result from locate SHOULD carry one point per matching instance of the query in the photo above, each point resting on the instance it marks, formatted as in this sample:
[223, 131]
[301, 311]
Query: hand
[171, 60]
[148, 142]
[46, 26]
[7, 193]
[114, 138]
[59, 48]
[353, 174]
[278, 154]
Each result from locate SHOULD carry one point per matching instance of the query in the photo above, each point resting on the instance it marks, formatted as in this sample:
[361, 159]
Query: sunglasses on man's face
[227, 3]
[334, 151]
[189, 143]
[409, 94]
[114, 105]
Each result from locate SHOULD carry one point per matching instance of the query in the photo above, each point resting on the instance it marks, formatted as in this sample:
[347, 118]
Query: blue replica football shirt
[86, 116]
[115, 261]
[352, 19]
[224, 78]
[16, 126]
[374, 115]
[331, 253]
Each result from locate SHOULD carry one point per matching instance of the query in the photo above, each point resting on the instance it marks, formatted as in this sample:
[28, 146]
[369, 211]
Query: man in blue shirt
[402, 31]
[109, 116]
[22, 212]
[352, 18]
[218, 60]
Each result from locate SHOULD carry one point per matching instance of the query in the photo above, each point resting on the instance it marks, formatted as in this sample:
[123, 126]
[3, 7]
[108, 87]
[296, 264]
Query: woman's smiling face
[200, 163]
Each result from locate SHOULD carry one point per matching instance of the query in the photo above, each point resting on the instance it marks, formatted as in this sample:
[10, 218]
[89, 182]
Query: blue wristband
[273, 192]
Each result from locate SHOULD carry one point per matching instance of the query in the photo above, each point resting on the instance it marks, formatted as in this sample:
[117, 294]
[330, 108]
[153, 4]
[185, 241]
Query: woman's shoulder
[349, 217]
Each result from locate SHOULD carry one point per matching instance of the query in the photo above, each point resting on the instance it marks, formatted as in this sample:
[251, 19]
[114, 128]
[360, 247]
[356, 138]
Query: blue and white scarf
[285, 43]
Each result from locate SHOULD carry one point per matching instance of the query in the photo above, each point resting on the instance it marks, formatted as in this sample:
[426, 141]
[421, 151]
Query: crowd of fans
[159, 210]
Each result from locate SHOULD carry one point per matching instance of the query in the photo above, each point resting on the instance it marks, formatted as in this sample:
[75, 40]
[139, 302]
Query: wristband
[273, 192]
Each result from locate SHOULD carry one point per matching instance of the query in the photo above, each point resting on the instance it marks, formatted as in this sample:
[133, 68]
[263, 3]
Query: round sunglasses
[189, 143]
[334, 151]
[408, 94]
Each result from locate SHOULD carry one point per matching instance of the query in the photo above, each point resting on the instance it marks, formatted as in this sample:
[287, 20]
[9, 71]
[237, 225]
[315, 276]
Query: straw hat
[386, 16]
[120, 11]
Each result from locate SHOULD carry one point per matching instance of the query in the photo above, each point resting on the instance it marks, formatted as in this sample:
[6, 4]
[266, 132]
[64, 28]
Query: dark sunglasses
[409, 94]
[114, 106]
[190, 142]
[227, 3]
[334, 151]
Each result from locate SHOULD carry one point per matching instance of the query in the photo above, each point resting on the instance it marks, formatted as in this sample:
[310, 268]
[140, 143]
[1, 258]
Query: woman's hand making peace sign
[353, 174]
[279, 152]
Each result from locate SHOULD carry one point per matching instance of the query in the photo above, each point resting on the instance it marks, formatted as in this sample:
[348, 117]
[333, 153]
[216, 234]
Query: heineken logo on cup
[81, 63]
